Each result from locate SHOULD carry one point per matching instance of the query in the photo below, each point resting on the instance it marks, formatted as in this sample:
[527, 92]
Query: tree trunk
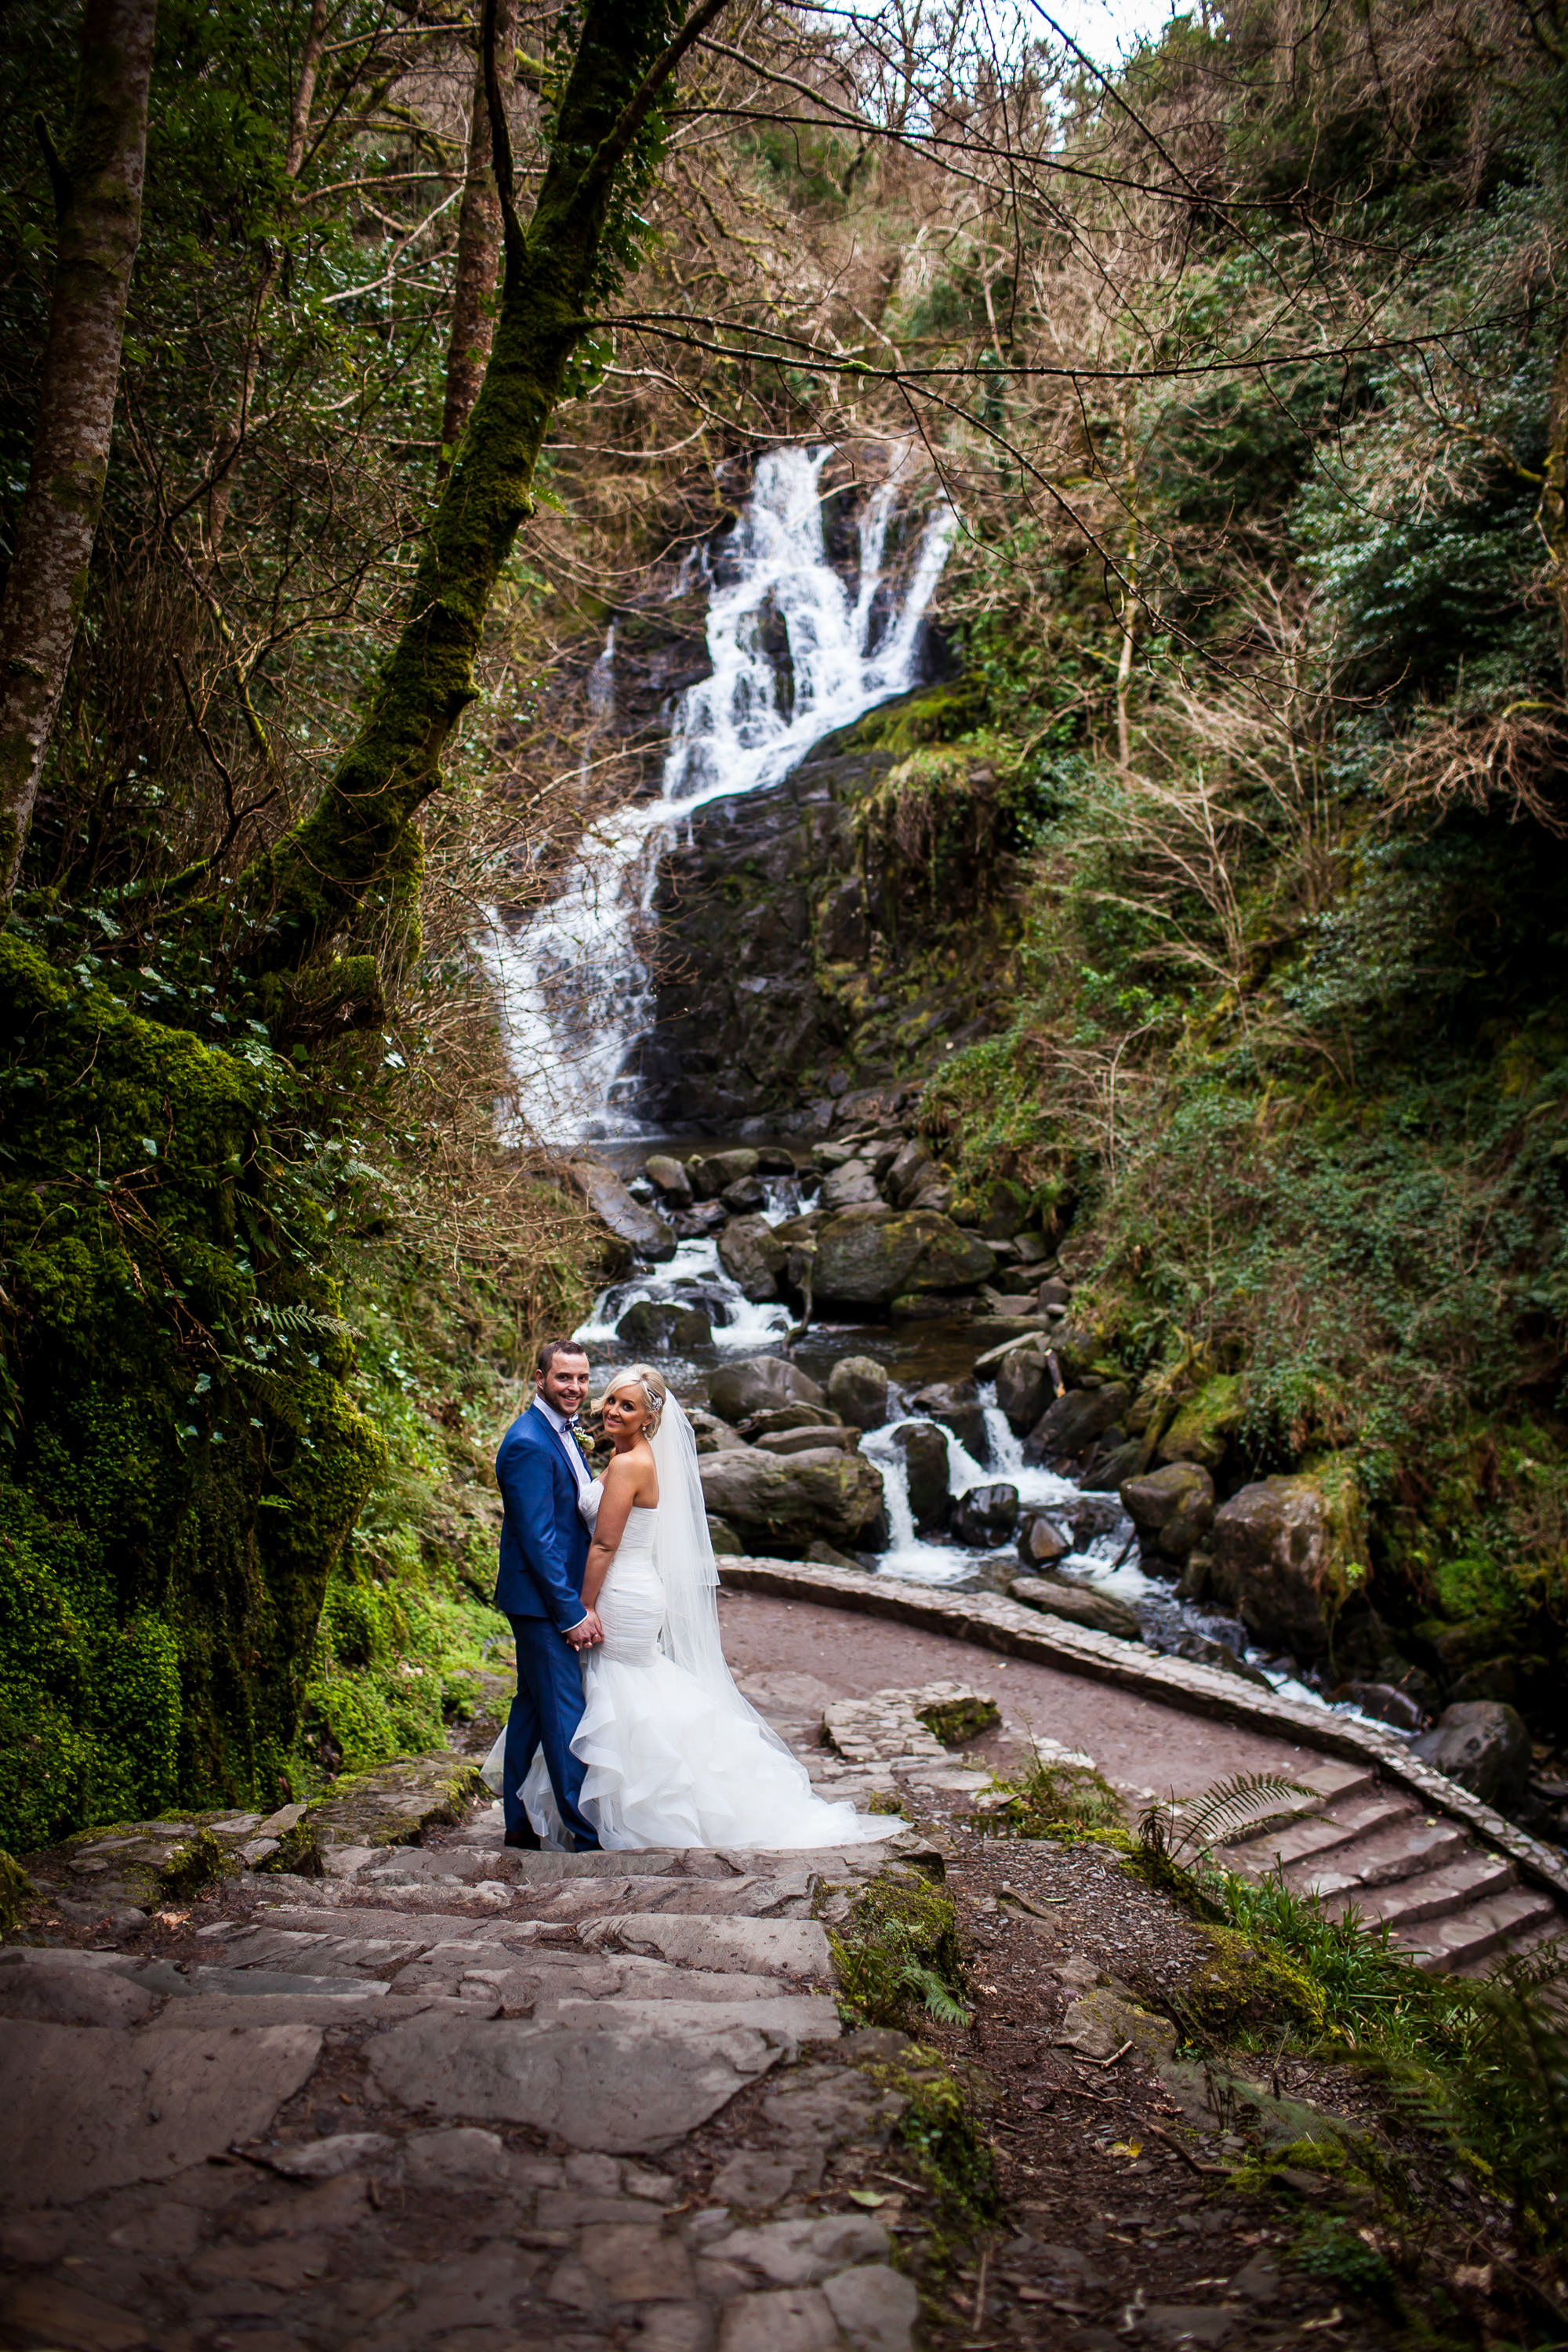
[98, 200]
[313, 885]
[479, 250]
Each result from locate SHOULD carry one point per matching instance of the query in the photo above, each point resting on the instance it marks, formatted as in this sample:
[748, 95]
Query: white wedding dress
[674, 1755]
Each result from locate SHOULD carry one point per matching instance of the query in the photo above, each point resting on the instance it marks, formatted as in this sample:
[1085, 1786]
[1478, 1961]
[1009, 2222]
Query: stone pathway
[447, 2095]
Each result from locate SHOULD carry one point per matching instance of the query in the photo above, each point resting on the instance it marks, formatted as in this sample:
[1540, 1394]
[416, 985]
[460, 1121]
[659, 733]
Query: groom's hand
[586, 1636]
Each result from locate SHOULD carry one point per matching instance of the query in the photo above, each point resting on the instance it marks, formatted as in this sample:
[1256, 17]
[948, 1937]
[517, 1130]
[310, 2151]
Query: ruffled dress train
[670, 1761]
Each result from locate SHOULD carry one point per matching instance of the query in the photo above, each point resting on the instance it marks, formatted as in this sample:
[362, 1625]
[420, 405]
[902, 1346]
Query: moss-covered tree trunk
[98, 199]
[311, 888]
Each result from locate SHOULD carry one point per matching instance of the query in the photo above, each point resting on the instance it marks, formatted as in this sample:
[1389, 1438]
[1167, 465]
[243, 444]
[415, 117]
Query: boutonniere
[580, 1443]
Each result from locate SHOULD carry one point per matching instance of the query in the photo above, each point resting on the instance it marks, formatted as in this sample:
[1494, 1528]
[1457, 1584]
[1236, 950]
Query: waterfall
[576, 983]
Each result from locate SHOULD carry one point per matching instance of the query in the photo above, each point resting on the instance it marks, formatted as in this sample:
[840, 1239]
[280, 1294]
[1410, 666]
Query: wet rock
[957, 1404]
[849, 1187]
[985, 1515]
[726, 1543]
[1041, 1541]
[671, 1179]
[1115, 1457]
[843, 935]
[695, 1225]
[907, 1172]
[755, 1383]
[1172, 1507]
[786, 1442]
[790, 1416]
[654, 1326]
[711, 1173]
[1202, 1428]
[642, 1230]
[1071, 1424]
[751, 1257]
[857, 1389]
[1484, 1746]
[1196, 1576]
[823, 1555]
[1079, 1604]
[924, 1449]
[1384, 1701]
[772, 1501]
[1286, 1551]
[869, 1255]
[1023, 1385]
[744, 1196]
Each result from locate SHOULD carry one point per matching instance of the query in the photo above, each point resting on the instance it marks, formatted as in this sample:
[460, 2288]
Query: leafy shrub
[899, 1949]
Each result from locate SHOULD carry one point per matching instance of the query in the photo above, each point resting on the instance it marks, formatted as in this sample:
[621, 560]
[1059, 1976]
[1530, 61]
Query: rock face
[751, 1257]
[869, 1255]
[711, 1175]
[1484, 1746]
[1070, 1425]
[1172, 1508]
[774, 1501]
[849, 1187]
[857, 1390]
[1041, 1541]
[985, 1515]
[655, 1326]
[1286, 1551]
[642, 1230]
[1079, 1604]
[957, 1404]
[736, 1391]
[924, 1449]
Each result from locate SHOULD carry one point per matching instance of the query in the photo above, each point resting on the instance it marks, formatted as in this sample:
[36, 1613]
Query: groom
[543, 1550]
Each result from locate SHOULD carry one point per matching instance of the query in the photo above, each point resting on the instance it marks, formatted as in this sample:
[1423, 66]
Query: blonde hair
[649, 1386]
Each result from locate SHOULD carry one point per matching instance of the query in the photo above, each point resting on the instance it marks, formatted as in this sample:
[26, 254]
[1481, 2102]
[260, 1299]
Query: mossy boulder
[1288, 1553]
[1238, 1990]
[870, 1255]
[777, 1501]
[1205, 1424]
[1172, 1507]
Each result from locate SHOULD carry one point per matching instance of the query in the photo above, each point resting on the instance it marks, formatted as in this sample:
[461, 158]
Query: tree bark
[315, 882]
[479, 249]
[98, 200]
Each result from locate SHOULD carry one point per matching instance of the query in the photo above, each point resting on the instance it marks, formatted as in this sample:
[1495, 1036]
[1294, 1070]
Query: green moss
[1244, 1990]
[1204, 1426]
[199, 1864]
[1070, 1803]
[17, 1891]
[898, 1951]
[955, 1720]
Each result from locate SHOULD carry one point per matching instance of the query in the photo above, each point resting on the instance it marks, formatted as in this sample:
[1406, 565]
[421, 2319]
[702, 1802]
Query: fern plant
[1181, 1836]
[900, 1948]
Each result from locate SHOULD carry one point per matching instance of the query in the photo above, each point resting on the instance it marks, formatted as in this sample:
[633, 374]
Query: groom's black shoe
[527, 1837]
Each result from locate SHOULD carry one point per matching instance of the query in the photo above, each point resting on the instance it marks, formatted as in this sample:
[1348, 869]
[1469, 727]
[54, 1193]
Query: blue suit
[544, 1552]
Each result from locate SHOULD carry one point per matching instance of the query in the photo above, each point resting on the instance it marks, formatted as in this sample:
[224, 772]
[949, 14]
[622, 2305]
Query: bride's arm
[620, 1484]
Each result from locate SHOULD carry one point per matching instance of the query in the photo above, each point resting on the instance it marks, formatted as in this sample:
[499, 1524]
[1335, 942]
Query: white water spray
[576, 983]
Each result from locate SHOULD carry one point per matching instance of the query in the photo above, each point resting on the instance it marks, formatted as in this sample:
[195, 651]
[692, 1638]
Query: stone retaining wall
[996, 1623]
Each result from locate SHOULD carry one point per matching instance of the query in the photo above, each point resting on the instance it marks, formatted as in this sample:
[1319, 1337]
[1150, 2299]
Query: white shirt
[558, 1420]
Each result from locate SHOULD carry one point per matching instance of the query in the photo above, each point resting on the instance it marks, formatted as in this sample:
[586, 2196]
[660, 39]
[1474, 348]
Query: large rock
[1484, 1746]
[671, 1179]
[1287, 1551]
[1079, 1604]
[924, 1449]
[1041, 1543]
[654, 1326]
[751, 1257]
[642, 1230]
[812, 1439]
[1070, 1425]
[1023, 1385]
[745, 1196]
[791, 1416]
[755, 1383]
[1205, 1424]
[779, 1501]
[956, 1403]
[711, 1173]
[1172, 1508]
[869, 1257]
[849, 1187]
[985, 1515]
[857, 1389]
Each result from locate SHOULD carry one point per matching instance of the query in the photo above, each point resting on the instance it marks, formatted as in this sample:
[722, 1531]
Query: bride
[674, 1755]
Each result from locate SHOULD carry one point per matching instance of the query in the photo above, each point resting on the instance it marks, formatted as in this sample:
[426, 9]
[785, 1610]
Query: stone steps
[1360, 1847]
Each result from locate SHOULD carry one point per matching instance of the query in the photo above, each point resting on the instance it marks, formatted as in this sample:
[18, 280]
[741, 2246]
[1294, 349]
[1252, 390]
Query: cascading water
[576, 983]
